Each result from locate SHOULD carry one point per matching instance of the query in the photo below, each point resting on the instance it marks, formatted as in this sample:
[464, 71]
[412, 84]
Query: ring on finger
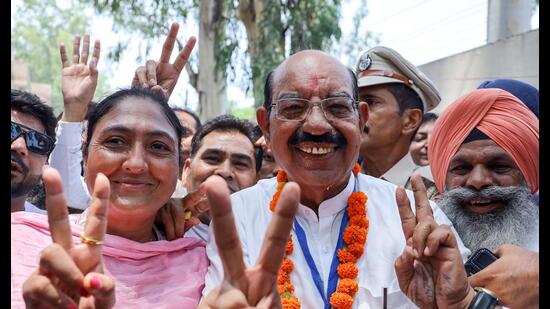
[90, 241]
[187, 215]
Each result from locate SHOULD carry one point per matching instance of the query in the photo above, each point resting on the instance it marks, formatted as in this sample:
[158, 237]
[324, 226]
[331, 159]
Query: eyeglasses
[295, 109]
[37, 142]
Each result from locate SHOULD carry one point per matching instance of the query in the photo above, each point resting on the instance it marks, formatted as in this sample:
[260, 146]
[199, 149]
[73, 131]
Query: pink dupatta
[161, 274]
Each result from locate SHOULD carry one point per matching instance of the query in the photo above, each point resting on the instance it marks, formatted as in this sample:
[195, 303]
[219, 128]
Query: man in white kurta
[317, 151]
[385, 241]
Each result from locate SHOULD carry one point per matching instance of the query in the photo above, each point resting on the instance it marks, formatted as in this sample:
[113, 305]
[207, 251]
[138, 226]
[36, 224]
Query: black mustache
[17, 158]
[334, 138]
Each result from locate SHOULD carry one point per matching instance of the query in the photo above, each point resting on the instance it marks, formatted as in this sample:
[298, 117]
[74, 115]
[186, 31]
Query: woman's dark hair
[107, 104]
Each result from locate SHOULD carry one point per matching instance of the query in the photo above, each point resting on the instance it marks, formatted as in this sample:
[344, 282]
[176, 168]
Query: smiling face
[419, 144]
[135, 146]
[479, 165]
[26, 166]
[228, 154]
[315, 152]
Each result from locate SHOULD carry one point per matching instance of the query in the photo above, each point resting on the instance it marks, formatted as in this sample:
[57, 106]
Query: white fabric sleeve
[66, 158]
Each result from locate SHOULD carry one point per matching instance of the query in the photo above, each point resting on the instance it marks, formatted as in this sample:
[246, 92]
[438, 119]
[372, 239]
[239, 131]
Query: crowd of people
[347, 192]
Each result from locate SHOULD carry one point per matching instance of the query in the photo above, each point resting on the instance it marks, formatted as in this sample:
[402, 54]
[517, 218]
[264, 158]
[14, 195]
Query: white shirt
[385, 241]
[400, 172]
[66, 158]
[31, 208]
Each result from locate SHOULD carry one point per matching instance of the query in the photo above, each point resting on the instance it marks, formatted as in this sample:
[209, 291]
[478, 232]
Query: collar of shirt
[401, 171]
[331, 206]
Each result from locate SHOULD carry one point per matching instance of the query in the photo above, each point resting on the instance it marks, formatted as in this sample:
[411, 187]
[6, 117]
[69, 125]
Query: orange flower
[283, 277]
[290, 302]
[344, 256]
[359, 221]
[356, 249]
[348, 286]
[289, 246]
[285, 287]
[347, 270]
[354, 234]
[356, 169]
[287, 265]
[341, 300]
[281, 176]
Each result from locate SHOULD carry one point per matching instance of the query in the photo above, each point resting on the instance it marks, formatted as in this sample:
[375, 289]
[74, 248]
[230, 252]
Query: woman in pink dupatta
[131, 165]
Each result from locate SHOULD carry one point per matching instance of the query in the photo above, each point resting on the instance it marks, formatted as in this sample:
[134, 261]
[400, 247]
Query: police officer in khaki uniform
[398, 94]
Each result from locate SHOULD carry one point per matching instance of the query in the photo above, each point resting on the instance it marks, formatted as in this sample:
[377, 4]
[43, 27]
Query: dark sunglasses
[37, 142]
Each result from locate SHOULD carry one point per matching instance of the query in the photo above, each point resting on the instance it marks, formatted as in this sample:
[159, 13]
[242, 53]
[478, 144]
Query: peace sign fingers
[96, 225]
[58, 215]
[183, 56]
[169, 43]
[225, 232]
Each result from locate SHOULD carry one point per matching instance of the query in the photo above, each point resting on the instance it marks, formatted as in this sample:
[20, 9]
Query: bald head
[315, 68]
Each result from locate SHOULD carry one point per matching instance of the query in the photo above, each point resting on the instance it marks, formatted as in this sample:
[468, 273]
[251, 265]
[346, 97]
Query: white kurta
[32, 208]
[66, 158]
[385, 241]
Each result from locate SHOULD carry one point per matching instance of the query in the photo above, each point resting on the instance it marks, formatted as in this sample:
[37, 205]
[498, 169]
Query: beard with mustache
[515, 223]
[29, 181]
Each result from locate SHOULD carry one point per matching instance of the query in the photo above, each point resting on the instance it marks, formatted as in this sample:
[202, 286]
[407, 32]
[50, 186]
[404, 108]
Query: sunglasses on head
[37, 142]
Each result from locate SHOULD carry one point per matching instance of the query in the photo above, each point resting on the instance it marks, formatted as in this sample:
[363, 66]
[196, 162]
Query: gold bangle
[90, 241]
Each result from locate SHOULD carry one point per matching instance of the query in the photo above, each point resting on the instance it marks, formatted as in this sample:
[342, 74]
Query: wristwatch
[484, 299]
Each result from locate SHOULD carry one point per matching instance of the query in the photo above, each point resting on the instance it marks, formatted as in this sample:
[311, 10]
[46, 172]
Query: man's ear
[262, 117]
[185, 172]
[412, 118]
[363, 108]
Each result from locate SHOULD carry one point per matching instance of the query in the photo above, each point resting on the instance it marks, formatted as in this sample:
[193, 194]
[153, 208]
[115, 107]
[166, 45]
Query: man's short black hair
[268, 89]
[427, 117]
[192, 114]
[225, 123]
[406, 97]
[28, 103]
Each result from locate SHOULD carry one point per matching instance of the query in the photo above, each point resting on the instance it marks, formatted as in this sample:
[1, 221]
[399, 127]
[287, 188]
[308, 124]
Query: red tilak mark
[314, 82]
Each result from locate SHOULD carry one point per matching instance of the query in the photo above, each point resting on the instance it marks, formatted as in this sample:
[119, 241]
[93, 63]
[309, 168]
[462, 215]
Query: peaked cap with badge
[383, 65]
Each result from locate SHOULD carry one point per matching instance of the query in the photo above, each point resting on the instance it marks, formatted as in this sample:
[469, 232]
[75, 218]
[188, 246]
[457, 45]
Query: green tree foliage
[37, 29]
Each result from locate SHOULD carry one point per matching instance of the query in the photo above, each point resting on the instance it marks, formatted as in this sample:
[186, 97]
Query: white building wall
[516, 57]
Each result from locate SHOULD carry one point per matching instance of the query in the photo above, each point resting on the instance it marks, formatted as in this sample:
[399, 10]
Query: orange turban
[498, 114]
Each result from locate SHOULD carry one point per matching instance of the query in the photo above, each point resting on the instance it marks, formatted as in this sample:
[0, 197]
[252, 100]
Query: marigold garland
[355, 237]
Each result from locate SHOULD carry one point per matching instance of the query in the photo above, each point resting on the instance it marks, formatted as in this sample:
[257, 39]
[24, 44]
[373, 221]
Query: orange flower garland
[355, 237]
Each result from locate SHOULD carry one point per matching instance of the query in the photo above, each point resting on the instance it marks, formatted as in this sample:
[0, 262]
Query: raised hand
[430, 270]
[69, 275]
[514, 277]
[181, 214]
[79, 79]
[255, 286]
[162, 76]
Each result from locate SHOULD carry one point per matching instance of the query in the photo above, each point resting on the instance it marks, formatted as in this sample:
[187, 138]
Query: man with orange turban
[484, 156]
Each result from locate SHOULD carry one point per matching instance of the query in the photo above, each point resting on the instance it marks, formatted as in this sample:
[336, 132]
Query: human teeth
[316, 150]
[481, 201]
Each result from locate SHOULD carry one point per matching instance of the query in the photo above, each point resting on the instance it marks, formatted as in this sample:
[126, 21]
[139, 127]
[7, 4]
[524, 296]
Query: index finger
[223, 225]
[278, 231]
[168, 45]
[408, 219]
[58, 214]
[96, 223]
[421, 202]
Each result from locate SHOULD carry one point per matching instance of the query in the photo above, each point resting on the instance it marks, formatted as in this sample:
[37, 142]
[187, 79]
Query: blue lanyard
[333, 276]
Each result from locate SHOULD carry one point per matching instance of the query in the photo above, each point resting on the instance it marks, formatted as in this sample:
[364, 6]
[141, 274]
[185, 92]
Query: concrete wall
[516, 57]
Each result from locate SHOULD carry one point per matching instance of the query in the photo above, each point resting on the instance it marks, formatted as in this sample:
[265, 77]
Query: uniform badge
[365, 62]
